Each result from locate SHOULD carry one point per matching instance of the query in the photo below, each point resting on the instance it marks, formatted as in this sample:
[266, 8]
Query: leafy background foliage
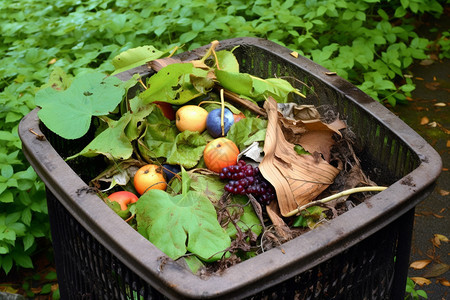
[369, 42]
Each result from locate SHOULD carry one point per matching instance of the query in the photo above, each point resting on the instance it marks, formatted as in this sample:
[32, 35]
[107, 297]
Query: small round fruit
[123, 198]
[220, 153]
[191, 117]
[149, 177]
[214, 122]
[171, 170]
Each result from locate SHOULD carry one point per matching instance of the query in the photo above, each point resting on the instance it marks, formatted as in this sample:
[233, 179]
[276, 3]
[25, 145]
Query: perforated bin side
[357, 241]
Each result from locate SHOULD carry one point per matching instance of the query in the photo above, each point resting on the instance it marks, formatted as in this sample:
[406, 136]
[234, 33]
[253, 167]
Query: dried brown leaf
[424, 121]
[420, 264]
[297, 179]
[443, 281]
[436, 270]
[312, 134]
[441, 191]
[281, 228]
[421, 280]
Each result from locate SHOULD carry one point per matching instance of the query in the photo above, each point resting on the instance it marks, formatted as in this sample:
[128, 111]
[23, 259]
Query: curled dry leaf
[420, 264]
[297, 179]
[421, 280]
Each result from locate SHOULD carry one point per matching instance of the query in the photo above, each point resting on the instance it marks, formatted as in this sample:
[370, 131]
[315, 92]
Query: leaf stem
[222, 112]
[337, 195]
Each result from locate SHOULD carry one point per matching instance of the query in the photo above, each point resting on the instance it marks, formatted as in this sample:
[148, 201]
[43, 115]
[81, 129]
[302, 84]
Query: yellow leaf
[441, 237]
[421, 280]
[420, 264]
[294, 54]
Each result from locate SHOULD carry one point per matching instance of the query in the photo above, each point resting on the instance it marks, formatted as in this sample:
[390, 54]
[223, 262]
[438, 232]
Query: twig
[335, 196]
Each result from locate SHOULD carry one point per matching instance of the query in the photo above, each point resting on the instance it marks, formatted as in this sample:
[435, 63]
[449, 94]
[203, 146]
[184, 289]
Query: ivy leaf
[135, 57]
[186, 222]
[112, 142]
[68, 113]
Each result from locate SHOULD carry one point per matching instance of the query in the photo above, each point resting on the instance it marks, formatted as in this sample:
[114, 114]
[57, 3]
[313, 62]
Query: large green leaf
[112, 142]
[186, 222]
[68, 113]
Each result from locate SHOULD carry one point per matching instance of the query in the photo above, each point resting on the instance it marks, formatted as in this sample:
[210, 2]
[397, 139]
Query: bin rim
[268, 268]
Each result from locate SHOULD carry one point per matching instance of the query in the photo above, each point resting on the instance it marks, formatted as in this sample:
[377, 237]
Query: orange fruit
[191, 117]
[220, 153]
[149, 177]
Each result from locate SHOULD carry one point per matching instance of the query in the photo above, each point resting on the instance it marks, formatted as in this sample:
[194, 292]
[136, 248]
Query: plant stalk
[337, 195]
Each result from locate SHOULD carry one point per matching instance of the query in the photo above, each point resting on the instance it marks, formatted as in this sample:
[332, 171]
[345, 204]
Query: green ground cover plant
[369, 42]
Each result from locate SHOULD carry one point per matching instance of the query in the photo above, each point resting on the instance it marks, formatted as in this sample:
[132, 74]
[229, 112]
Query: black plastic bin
[362, 254]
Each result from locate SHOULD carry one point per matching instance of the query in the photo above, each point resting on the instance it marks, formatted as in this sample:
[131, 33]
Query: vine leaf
[68, 113]
[181, 223]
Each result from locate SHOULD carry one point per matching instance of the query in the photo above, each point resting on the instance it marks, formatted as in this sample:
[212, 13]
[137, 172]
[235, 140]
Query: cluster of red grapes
[246, 179]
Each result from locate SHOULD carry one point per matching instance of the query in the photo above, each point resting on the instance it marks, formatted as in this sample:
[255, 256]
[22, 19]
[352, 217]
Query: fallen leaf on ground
[443, 281]
[424, 121]
[421, 280]
[441, 191]
[436, 270]
[432, 85]
[440, 104]
[448, 143]
[441, 237]
[420, 264]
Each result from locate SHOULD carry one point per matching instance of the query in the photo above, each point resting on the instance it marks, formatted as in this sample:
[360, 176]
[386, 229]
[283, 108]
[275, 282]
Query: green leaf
[227, 61]
[7, 262]
[135, 57]
[28, 241]
[171, 84]
[6, 197]
[248, 220]
[112, 142]
[68, 113]
[254, 87]
[247, 131]
[181, 223]
[162, 139]
[187, 149]
[22, 259]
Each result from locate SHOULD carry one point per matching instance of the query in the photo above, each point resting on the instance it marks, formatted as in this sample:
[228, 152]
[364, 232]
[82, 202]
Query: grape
[246, 179]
